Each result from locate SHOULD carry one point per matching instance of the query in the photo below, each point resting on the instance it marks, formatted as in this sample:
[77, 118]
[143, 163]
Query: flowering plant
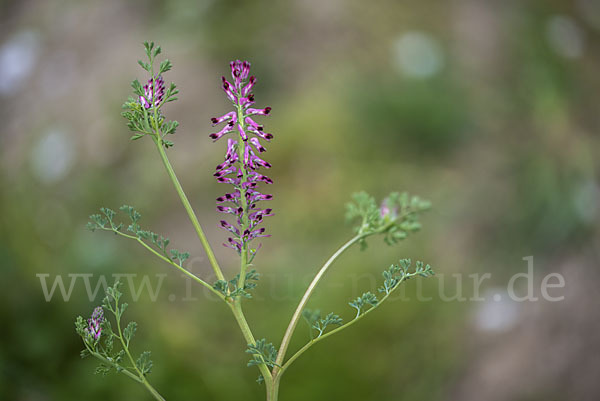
[242, 169]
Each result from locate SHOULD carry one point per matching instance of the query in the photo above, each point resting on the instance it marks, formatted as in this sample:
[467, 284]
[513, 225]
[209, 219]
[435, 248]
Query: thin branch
[344, 326]
[164, 258]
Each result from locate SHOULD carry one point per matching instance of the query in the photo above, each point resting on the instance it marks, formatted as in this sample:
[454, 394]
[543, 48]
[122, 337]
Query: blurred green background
[489, 109]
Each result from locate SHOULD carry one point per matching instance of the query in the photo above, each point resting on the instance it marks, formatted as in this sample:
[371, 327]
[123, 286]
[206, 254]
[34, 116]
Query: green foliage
[144, 363]
[105, 221]
[392, 278]
[367, 299]
[311, 317]
[395, 274]
[262, 353]
[231, 288]
[396, 218]
[330, 319]
[129, 332]
[315, 322]
[365, 208]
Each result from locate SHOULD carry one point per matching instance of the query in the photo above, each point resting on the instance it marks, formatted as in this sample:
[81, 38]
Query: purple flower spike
[94, 328]
[150, 94]
[241, 164]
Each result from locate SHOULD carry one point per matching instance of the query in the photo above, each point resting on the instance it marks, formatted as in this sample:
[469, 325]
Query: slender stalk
[186, 203]
[190, 211]
[164, 258]
[337, 330]
[298, 313]
[141, 375]
[113, 364]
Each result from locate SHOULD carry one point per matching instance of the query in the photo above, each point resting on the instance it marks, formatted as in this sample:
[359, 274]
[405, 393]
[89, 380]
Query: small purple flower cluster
[387, 212]
[241, 164]
[158, 97]
[94, 328]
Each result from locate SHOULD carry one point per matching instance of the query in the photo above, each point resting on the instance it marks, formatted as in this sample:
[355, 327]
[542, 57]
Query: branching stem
[342, 327]
[164, 258]
[301, 305]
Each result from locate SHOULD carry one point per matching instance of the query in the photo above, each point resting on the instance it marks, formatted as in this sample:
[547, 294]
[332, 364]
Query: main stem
[189, 209]
[236, 309]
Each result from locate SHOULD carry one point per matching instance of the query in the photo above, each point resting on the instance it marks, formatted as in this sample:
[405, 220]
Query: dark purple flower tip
[252, 80]
[232, 241]
[264, 178]
[214, 120]
[94, 328]
[267, 110]
[242, 133]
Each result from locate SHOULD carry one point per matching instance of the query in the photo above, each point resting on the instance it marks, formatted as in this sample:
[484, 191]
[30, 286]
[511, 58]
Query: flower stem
[188, 208]
[245, 218]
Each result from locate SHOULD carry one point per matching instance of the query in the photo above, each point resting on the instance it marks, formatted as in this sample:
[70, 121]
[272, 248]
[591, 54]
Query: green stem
[338, 329]
[164, 258]
[298, 313]
[186, 203]
[141, 376]
[188, 208]
[114, 364]
[273, 390]
[236, 309]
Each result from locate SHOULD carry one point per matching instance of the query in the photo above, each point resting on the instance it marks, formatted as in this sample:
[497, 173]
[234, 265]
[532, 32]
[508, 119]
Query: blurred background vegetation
[489, 109]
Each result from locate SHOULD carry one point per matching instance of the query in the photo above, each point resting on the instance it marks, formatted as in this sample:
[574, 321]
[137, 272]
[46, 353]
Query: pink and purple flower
[242, 162]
